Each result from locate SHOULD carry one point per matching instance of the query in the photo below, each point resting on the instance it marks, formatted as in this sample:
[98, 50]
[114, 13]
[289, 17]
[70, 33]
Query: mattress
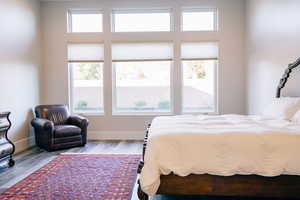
[222, 145]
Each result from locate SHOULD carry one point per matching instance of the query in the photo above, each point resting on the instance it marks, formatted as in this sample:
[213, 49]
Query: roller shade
[142, 51]
[85, 52]
[199, 51]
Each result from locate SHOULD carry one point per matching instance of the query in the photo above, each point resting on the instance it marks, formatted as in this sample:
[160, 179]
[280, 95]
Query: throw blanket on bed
[220, 145]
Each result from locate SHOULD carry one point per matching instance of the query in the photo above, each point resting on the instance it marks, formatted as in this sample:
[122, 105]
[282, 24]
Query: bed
[166, 170]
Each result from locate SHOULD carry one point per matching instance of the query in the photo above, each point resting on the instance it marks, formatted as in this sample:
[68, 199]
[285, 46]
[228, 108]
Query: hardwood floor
[33, 159]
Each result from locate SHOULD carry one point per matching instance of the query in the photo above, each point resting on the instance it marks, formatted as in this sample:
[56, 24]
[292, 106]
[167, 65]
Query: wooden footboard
[284, 186]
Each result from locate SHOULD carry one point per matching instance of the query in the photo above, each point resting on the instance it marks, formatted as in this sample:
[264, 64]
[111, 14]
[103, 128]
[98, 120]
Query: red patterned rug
[79, 177]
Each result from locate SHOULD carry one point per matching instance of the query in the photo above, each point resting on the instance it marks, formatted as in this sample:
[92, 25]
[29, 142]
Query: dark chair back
[58, 114]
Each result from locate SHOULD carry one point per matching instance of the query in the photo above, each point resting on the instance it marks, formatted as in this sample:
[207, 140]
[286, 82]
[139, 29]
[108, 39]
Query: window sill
[200, 113]
[142, 114]
[90, 114]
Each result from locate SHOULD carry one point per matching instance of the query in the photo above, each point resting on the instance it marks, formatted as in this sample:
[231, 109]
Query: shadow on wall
[22, 125]
[15, 16]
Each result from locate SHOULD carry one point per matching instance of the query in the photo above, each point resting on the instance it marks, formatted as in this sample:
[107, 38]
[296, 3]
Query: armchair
[56, 129]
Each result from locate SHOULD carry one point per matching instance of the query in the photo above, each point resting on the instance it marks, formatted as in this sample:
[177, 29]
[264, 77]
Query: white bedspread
[220, 145]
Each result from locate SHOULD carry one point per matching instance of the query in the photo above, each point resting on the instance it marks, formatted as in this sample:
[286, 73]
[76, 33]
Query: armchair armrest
[82, 123]
[42, 124]
[79, 121]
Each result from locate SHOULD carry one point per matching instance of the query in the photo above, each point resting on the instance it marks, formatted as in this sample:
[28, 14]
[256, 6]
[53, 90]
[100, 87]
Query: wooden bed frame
[283, 186]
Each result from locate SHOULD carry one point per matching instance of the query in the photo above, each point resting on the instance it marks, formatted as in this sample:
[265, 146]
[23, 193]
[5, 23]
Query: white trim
[85, 11]
[175, 36]
[118, 113]
[140, 10]
[116, 135]
[24, 144]
[143, 60]
[107, 70]
[71, 88]
[113, 89]
[69, 21]
[172, 97]
[89, 114]
[85, 61]
[216, 86]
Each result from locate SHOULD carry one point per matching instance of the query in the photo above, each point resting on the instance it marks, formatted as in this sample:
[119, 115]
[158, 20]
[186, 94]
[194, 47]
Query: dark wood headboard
[286, 75]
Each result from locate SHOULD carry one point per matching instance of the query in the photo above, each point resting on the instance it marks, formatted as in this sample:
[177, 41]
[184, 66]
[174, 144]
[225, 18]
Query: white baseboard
[116, 135]
[24, 144]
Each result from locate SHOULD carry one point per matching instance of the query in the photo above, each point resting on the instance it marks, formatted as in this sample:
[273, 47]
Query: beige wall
[55, 77]
[273, 30]
[19, 65]
[272, 41]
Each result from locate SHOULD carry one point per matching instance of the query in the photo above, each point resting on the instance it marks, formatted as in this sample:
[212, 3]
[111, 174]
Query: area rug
[79, 177]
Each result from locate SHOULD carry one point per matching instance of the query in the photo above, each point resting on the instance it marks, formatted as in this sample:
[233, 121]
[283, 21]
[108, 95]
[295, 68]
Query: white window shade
[85, 53]
[201, 51]
[142, 51]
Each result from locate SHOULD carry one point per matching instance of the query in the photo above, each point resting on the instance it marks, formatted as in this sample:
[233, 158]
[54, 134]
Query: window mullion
[176, 76]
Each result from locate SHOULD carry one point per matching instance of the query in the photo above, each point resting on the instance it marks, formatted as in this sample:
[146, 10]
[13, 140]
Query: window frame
[71, 92]
[216, 78]
[200, 9]
[216, 106]
[142, 11]
[114, 92]
[176, 36]
[83, 11]
[71, 80]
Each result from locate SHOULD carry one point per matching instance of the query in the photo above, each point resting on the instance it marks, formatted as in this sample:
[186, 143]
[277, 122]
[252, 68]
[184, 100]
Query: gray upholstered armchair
[56, 129]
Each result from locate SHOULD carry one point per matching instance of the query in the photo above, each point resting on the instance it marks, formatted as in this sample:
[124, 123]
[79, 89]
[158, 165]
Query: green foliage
[197, 70]
[89, 71]
[82, 104]
[164, 105]
[140, 103]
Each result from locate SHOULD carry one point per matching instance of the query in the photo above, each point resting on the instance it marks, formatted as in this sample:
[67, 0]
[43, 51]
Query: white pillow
[282, 108]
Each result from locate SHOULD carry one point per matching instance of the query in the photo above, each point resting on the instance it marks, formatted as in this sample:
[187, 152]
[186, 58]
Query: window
[86, 77]
[85, 21]
[199, 62]
[199, 20]
[142, 77]
[142, 73]
[141, 20]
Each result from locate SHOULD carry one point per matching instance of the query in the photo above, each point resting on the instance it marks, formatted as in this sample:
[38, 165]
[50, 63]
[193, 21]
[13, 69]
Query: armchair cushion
[58, 114]
[66, 131]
